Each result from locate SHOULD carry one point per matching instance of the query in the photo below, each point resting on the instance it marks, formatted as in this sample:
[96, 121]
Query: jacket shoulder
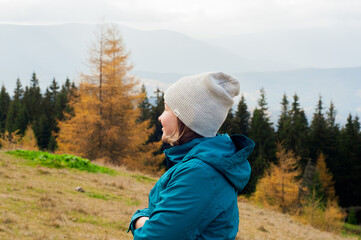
[196, 166]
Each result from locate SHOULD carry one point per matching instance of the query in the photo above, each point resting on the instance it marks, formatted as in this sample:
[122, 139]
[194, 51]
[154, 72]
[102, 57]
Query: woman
[197, 197]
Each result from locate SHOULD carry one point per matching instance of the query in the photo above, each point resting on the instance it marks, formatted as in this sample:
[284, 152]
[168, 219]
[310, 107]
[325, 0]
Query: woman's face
[169, 122]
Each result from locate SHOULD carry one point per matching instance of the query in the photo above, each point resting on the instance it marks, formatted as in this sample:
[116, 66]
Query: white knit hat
[202, 101]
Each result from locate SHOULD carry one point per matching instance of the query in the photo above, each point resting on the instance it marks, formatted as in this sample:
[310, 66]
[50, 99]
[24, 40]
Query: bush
[9, 140]
[351, 218]
[327, 218]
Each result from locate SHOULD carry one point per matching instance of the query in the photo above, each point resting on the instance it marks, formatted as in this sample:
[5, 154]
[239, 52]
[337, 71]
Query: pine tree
[54, 87]
[32, 100]
[16, 118]
[332, 150]
[4, 107]
[21, 120]
[144, 106]
[18, 91]
[318, 131]
[284, 121]
[13, 111]
[297, 136]
[45, 125]
[50, 103]
[242, 118]
[262, 133]
[43, 131]
[105, 113]
[67, 92]
[32, 104]
[333, 133]
[61, 107]
[155, 112]
[347, 184]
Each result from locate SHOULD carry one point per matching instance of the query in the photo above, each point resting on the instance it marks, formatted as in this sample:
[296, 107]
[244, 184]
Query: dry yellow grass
[258, 224]
[41, 203]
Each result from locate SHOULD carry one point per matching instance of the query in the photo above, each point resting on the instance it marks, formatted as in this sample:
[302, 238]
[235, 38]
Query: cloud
[154, 83]
[197, 18]
[358, 93]
[341, 119]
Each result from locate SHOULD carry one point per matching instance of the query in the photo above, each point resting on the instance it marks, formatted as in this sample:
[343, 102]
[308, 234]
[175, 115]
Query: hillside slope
[41, 203]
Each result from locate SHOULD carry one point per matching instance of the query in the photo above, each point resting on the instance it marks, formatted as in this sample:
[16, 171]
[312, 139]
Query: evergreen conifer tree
[262, 133]
[43, 131]
[61, 107]
[54, 87]
[18, 91]
[297, 136]
[16, 118]
[155, 112]
[318, 132]
[144, 106]
[4, 107]
[242, 118]
[32, 104]
[67, 92]
[46, 123]
[332, 151]
[347, 186]
[32, 100]
[284, 121]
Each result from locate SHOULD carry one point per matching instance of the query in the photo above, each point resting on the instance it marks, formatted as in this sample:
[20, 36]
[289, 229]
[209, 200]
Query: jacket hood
[228, 155]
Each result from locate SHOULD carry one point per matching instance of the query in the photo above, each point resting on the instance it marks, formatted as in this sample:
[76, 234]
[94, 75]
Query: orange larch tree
[105, 123]
[325, 178]
[279, 188]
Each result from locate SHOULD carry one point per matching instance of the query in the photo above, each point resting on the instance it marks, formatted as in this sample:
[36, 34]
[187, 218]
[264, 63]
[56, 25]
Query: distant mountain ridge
[327, 47]
[62, 50]
[161, 57]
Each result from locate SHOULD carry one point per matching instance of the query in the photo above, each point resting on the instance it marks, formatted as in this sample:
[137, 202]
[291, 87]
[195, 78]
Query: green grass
[97, 195]
[61, 161]
[96, 220]
[144, 179]
[351, 230]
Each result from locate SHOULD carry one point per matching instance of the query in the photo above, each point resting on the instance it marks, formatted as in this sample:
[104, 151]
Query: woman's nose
[160, 117]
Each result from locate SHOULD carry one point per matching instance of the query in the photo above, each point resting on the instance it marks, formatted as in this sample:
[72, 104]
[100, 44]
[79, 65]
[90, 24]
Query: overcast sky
[197, 18]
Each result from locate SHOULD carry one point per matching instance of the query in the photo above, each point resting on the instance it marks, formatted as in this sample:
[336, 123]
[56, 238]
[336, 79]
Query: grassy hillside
[37, 202]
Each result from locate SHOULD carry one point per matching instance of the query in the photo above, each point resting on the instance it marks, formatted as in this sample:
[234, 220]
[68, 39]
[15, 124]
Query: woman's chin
[165, 139]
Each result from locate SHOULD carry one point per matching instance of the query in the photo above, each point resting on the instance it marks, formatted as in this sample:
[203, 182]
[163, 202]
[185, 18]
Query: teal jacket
[197, 197]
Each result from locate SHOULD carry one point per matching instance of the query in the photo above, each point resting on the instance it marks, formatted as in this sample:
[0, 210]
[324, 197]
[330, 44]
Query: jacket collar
[177, 153]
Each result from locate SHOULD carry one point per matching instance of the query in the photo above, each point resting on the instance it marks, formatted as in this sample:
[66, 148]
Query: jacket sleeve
[140, 213]
[183, 209]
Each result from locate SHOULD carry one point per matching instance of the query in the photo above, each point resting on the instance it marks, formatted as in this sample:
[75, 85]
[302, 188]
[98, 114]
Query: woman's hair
[182, 135]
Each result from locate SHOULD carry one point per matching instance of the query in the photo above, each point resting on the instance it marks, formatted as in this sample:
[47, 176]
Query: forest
[109, 116]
